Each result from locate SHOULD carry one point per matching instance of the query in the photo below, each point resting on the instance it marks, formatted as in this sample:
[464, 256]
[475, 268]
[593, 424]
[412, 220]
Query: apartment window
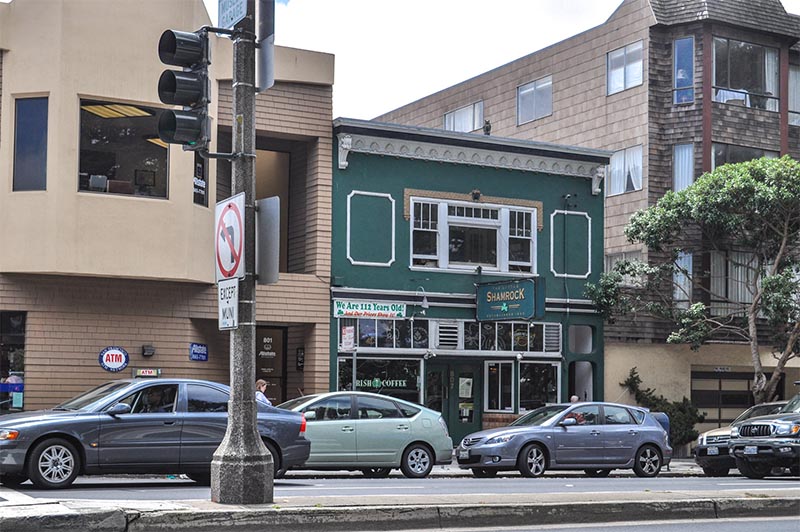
[463, 236]
[682, 166]
[535, 100]
[745, 74]
[120, 150]
[625, 174]
[30, 144]
[613, 258]
[794, 95]
[732, 275]
[625, 68]
[538, 385]
[683, 70]
[499, 386]
[682, 281]
[466, 119]
[731, 154]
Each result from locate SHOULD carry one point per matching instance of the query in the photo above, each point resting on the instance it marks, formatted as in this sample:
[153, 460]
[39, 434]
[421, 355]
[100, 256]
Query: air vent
[552, 337]
[448, 335]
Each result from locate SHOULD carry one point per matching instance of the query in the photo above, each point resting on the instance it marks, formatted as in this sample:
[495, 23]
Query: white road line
[13, 497]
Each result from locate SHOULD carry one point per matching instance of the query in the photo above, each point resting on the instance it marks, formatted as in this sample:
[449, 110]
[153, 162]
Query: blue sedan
[594, 437]
[144, 426]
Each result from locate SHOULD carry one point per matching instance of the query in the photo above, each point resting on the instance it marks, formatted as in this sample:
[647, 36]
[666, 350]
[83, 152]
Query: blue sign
[113, 359]
[510, 300]
[198, 352]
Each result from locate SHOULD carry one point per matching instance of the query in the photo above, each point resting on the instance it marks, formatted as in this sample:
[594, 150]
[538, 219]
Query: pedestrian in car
[574, 399]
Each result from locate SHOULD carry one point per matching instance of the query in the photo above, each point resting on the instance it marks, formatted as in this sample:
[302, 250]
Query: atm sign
[113, 359]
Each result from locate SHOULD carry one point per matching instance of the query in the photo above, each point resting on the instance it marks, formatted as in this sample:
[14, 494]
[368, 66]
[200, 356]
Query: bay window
[462, 236]
[682, 281]
[745, 74]
[683, 70]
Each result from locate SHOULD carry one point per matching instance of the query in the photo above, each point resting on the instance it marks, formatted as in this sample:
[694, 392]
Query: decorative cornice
[429, 151]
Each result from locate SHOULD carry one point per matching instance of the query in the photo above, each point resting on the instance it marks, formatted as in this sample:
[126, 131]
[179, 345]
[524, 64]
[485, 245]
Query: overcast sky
[389, 53]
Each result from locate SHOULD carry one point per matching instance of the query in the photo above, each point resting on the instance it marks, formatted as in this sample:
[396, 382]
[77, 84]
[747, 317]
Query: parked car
[711, 452]
[372, 433]
[762, 444]
[596, 437]
[136, 426]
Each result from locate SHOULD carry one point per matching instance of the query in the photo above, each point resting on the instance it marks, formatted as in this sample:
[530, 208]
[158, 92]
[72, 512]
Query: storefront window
[397, 334]
[12, 361]
[538, 385]
[395, 378]
[499, 386]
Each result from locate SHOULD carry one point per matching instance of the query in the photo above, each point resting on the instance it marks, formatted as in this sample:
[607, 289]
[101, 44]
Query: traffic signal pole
[242, 468]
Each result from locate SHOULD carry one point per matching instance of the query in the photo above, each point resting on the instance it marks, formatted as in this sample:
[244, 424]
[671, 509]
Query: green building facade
[458, 270]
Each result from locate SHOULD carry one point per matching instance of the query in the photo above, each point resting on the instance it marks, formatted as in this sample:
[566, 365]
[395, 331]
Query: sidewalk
[326, 513]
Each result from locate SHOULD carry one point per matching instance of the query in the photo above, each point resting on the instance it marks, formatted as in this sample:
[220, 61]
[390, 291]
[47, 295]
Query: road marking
[13, 497]
[348, 488]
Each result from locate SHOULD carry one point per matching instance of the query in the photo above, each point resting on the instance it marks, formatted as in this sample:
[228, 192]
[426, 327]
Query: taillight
[303, 424]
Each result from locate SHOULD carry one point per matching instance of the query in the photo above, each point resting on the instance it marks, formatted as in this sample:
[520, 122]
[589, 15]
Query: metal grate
[448, 335]
[469, 442]
[718, 439]
[552, 337]
[755, 430]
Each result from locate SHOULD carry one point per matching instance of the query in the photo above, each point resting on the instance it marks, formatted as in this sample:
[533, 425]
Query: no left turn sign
[229, 238]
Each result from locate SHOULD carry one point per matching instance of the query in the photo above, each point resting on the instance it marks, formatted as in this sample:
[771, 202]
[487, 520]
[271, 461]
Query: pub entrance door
[454, 389]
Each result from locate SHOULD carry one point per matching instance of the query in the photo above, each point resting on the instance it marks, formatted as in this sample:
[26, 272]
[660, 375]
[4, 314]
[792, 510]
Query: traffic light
[189, 88]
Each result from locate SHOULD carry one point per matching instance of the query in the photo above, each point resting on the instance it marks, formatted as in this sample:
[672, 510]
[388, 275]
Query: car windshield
[792, 407]
[85, 399]
[755, 411]
[291, 403]
[538, 416]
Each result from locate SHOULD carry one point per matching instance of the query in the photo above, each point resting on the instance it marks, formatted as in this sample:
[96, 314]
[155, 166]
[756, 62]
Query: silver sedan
[594, 437]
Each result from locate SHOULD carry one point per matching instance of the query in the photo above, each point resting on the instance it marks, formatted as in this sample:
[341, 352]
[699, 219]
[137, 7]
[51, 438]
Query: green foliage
[682, 414]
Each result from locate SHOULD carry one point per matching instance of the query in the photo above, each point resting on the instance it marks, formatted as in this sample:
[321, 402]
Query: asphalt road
[356, 488]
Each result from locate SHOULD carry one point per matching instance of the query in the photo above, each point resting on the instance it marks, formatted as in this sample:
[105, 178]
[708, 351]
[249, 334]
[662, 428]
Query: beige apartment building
[108, 232]
[674, 88]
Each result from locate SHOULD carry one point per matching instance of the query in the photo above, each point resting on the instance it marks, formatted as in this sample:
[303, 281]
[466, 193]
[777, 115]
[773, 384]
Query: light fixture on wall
[476, 194]
[148, 350]
[424, 305]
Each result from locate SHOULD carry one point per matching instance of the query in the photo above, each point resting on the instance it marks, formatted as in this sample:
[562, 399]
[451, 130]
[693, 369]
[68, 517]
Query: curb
[363, 518]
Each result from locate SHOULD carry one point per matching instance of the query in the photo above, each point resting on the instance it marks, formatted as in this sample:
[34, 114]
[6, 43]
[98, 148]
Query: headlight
[700, 440]
[8, 434]
[787, 429]
[734, 432]
[499, 439]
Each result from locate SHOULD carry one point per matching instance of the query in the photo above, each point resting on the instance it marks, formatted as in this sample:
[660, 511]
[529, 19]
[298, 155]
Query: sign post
[242, 467]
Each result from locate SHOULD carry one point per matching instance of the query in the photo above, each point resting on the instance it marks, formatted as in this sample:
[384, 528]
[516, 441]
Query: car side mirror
[310, 415]
[119, 409]
[568, 422]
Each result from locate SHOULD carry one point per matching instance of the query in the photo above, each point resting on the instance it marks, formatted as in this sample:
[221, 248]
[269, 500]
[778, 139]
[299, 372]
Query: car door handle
[171, 422]
[595, 433]
[347, 429]
[633, 432]
[402, 427]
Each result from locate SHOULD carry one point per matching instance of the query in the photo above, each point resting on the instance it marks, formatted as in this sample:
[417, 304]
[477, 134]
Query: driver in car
[154, 400]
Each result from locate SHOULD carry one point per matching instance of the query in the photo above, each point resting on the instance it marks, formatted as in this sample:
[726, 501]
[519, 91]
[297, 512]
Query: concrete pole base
[239, 478]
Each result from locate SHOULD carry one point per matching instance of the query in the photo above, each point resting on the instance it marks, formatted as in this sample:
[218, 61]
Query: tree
[741, 225]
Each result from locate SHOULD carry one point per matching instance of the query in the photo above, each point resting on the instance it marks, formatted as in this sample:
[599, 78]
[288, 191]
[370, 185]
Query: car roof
[365, 394]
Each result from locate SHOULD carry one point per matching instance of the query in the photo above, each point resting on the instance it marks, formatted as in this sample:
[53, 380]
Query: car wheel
[376, 472]
[12, 481]
[794, 471]
[754, 470]
[716, 471]
[531, 461]
[278, 471]
[203, 479]
[483, 472]
[647, 462]
[597, 473]
[53, 464]
[417, 461]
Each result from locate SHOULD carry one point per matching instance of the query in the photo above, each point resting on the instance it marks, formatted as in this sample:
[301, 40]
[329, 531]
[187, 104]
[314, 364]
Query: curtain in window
[771, 77]
[633, 65]
[682, 283]
[617, 183]
[682, 166]
[794, 95]
[718, 284]
[633, 164]
[616, 71]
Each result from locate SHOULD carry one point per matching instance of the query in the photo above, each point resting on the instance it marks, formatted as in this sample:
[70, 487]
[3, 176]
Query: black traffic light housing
[189, 88]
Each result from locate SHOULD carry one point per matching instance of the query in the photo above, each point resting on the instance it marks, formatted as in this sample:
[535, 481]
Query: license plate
[750, 449]
[463, 454]
[713, 451]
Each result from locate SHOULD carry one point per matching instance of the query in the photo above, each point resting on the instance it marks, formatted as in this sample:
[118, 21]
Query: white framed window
[682, 166]
[535, 100]
[613, 258]
[732, 273]
[682, 281]
[625, 171]
[466, 119]
[499, 388]
[683, 70]
[454, 235]
[624, 66]
[538, 384]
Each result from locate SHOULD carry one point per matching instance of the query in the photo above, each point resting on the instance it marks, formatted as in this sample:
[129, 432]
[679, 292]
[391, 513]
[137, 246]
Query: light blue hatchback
[594, 437]
[372, 433]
